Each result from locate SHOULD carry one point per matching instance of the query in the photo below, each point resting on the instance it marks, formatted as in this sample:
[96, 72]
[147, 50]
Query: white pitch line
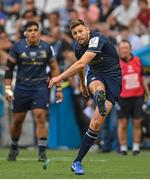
[52, 159]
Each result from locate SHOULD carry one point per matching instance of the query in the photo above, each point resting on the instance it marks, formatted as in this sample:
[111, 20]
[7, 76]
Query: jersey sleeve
[96, 44]
[51, 53]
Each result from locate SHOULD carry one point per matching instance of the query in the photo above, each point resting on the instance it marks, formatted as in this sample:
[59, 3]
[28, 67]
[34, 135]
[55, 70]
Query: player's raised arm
[74, 69]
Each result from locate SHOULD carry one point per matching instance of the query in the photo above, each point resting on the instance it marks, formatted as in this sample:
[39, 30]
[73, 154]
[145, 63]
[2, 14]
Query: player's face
[81, 34]
[124, 50]
[33, 34]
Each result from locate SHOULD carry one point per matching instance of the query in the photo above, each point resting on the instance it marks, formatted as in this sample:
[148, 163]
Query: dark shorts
[25, 100]
[112, 85]
[131, 107]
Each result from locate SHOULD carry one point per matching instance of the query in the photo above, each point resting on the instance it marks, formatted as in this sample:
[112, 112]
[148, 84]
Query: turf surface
[97, 165]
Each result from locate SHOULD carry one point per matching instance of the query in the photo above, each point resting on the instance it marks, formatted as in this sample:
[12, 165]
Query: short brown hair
[126, 41]
[75, 23]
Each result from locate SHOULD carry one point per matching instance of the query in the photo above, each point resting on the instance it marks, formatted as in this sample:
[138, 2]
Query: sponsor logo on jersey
[33, 53]
[94, 42]
[23, 55]
[43, 54]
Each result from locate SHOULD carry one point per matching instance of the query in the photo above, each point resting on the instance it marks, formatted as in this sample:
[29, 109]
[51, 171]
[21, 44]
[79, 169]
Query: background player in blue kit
[32, 56]
[103, 80]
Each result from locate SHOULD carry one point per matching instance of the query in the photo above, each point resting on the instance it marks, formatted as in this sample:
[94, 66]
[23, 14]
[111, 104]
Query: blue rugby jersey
[31, 62]
[106, 60]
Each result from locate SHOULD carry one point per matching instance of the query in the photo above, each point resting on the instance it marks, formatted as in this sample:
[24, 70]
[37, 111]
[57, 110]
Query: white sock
[123, 147]
[136, 147]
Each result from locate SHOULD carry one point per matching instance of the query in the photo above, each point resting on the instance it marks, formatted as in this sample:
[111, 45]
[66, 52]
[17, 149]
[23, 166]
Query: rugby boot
[77, 168]
[42, 156]
[124, 153]
[136, 153]
[12, 154]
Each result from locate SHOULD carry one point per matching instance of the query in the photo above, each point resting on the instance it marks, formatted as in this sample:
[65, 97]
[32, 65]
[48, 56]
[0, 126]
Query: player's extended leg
[137, 134]
[122, 135]
[15, 132]
[103, 107]
[40, 116]
[89, 137]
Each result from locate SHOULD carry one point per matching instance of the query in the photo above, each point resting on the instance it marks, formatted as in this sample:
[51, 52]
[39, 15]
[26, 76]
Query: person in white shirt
[124, 13]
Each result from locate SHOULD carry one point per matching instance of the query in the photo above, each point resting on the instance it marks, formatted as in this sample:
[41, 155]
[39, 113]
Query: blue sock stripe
[42, 142]
[91, 131]
[93, 137]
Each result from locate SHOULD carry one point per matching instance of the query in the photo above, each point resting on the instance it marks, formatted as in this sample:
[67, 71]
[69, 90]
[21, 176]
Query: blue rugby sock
[42, 143]
[87, 142]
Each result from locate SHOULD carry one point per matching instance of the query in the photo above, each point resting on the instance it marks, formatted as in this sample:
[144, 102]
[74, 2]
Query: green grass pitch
[97, 165]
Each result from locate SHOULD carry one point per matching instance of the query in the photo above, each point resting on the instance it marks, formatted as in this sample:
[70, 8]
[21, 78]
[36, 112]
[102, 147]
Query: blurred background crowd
[116, 19]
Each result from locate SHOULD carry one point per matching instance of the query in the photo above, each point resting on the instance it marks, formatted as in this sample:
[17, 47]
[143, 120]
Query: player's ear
[88, 29]
[25, 33]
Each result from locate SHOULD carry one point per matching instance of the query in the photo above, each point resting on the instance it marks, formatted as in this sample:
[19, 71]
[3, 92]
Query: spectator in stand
[115, 2]
[57, 39]
[64, 12]
[30, 5]
[92, 16]
[5, 45]
[105, 10]
[106, 31]
[53, 20]
[144, 14]
[132, 97]
[126, 34]
[12, 6]
[148, 3]
[82, 9]
[51, 5]
[123, 14]
[2, 15]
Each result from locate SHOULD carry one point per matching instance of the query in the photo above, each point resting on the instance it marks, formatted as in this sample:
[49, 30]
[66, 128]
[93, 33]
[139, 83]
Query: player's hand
[59, 96]
[53, 81]
[84, 90]
[9, 93]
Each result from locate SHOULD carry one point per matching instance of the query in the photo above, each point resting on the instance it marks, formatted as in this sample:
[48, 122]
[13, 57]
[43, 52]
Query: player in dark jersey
[103, 80]
[32, 56]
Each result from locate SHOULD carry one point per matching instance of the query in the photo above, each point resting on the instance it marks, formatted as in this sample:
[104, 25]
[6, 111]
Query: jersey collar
[28, 44]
